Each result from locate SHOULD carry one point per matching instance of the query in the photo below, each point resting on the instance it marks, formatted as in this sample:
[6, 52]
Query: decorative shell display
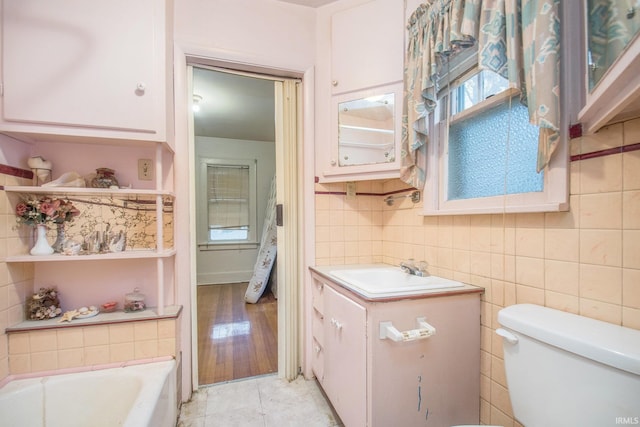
[80, 313]
[44, 304]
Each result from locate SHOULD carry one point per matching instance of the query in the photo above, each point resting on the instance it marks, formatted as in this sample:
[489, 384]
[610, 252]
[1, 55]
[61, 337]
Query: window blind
[228, 196]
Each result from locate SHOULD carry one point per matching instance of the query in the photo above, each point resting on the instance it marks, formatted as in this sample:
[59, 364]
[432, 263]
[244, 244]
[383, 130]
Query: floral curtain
[519, 39]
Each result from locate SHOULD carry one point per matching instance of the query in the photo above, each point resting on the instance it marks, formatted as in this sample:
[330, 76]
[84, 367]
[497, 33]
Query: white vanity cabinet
[378, 382]
[345, 374]
[98, 69]
[367, 46]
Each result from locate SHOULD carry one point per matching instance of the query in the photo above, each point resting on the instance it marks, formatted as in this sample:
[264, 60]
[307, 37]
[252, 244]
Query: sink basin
[377, 282]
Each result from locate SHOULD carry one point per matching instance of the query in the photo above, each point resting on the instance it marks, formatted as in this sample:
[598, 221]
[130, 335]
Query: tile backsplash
[585, 261]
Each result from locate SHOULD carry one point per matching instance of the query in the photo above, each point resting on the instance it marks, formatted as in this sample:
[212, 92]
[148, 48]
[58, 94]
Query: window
[483, 150]
[492, 149]
[228, 201]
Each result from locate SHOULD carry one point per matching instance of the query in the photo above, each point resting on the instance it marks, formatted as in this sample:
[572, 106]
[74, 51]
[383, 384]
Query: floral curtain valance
[518, 39]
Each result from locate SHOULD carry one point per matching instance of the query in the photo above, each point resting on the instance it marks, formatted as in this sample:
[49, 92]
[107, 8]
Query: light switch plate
[145, 169]
[351, 189]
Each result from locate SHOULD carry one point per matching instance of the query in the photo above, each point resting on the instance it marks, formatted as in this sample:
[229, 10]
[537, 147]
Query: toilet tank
[568, 370]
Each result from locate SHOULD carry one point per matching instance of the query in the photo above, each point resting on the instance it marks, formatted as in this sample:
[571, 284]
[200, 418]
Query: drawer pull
[336, 324]
[425, 330]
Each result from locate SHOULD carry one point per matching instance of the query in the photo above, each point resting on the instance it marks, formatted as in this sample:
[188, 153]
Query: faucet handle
[407, 266]
[421, 268]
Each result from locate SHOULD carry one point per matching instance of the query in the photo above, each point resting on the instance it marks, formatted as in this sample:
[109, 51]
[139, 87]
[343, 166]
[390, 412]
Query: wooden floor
[235, 339]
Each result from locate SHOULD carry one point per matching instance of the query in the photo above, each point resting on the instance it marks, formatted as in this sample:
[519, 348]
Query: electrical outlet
[145, 169]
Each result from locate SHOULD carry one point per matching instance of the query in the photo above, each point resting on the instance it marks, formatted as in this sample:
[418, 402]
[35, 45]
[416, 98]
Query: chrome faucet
[416, 269]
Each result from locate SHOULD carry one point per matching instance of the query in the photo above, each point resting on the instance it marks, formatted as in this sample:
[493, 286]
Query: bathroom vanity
[410, 358]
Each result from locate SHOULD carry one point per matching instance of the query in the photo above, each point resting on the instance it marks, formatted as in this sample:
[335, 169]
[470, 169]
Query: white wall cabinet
[367, 45]
[360, 55]
[377, 382]
[96, 69]
[76, 72]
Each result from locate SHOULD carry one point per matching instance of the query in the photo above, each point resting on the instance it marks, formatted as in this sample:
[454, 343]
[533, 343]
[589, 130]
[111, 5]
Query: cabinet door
[76, 63]
[345, 373]
[367, 46]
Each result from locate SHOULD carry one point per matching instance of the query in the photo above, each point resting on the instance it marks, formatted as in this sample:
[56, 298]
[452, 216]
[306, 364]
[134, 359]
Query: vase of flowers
[42, 246]
[40, 212]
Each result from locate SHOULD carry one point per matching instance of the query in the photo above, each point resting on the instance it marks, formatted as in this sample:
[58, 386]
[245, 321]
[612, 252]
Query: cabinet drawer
[318, 327]
[318, 295]
[317, 361]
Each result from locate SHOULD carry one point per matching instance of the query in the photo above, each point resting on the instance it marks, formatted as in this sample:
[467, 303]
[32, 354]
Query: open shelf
[83, 191]
[130, 254]
[118, 316]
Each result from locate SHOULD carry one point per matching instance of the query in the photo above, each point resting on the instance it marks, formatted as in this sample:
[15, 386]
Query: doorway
[235, 126]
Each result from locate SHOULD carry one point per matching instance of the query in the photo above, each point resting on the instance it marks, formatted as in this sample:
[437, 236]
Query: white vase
[42, 246]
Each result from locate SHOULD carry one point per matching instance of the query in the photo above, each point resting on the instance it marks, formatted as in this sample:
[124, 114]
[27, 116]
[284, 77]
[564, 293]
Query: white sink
[378, 282]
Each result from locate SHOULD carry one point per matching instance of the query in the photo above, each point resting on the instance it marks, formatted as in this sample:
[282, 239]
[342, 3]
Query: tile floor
[264, 401]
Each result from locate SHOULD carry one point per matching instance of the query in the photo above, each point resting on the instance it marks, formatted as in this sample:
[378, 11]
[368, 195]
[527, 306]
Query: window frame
[203, 206]
[555, 195]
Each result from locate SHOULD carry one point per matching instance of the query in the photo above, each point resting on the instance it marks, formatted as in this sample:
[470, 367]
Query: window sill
[544, 207]
[483, 106]
[227, 246]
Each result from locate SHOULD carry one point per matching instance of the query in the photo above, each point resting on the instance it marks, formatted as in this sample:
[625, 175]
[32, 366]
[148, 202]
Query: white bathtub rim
[40, 374]
[146, 402]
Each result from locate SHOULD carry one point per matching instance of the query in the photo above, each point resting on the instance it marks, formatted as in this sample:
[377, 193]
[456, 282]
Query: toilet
[568, 370]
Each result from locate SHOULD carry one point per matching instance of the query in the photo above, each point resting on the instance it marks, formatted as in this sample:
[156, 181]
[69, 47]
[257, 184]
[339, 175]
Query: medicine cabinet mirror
[609, 31]
[368, 127]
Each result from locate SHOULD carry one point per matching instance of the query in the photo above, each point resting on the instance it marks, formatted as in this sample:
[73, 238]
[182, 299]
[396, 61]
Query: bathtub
[133, 395]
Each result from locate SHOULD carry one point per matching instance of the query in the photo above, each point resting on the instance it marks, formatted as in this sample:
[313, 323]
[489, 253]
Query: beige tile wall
[74, 347]
[585, 261]
[16, 280]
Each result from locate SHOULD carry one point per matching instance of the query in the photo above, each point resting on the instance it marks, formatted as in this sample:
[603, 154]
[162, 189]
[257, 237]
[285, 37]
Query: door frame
[297, 196]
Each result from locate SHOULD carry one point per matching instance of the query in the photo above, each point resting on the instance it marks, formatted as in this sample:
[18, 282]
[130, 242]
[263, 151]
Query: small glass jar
[104, 178]
[134, 301]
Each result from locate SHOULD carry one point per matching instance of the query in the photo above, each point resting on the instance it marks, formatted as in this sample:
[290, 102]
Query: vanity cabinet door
[367, 46]
[345, 375]
[72, 67]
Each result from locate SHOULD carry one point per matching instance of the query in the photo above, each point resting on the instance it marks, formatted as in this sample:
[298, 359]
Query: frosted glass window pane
[478, 165]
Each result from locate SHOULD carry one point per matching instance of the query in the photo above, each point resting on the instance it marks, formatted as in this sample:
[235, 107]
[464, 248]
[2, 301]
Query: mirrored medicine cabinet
[612, 50]
[366, 130]
[610, 30]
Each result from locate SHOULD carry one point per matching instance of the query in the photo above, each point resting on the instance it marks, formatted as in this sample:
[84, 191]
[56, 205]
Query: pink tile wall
[585, 261]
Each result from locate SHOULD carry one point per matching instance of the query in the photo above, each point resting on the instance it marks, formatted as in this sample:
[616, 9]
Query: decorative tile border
[14, 171]
[344, 193]
[607, 152]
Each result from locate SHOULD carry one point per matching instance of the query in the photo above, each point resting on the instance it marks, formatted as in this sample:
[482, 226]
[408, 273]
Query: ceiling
[310, 3]
[233, 106]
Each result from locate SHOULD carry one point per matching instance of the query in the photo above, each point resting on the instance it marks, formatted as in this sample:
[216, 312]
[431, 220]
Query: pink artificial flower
[50, 208]
[21, 209]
